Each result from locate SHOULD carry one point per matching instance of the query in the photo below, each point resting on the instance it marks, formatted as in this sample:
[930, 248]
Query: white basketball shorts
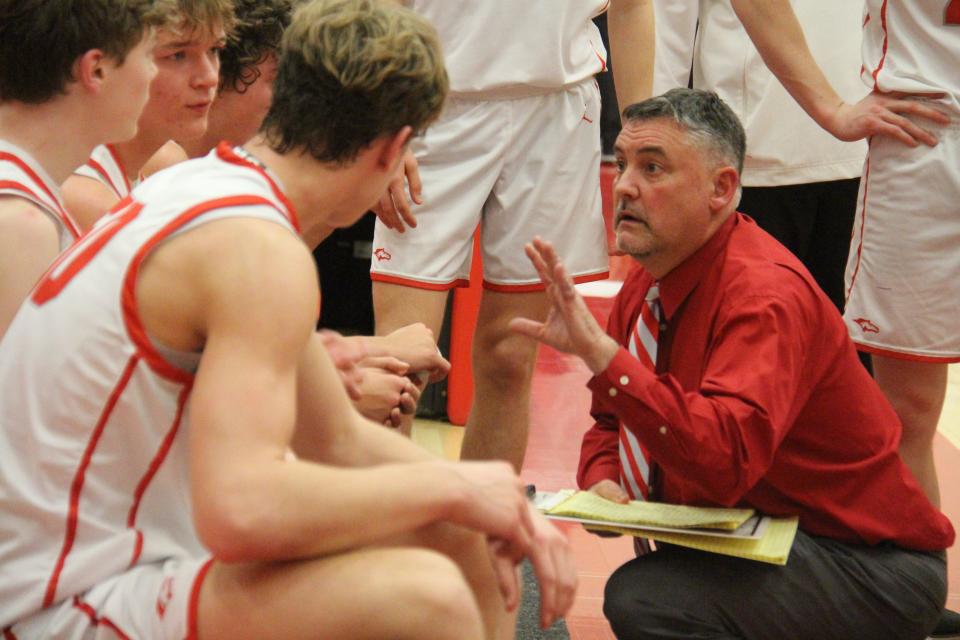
[155, 601]
[903, 271]
[519, 168]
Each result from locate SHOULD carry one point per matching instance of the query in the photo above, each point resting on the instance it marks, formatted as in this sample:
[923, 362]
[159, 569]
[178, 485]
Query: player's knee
[507, 362]
[435, 600]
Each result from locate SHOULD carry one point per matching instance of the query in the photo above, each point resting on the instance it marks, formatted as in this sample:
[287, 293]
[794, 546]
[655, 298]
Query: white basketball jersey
[494, 47]
[913, 46]
[104, 166]
[93, 465]
[22, 176]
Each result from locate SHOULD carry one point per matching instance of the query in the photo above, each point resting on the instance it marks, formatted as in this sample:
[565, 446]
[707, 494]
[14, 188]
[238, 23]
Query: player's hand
[570, 326]
[415, 345]
[346, 355]
[885, 114]
[386, 395]
[553, 564]
[491, 499]
[393, 208]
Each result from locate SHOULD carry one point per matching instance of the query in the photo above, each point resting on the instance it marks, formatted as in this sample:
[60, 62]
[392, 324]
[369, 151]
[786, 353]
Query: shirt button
[624, 380]
[663, 431]
[613, 391]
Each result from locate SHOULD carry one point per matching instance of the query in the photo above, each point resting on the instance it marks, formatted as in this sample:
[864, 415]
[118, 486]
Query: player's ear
[395, 146]
[89, 69]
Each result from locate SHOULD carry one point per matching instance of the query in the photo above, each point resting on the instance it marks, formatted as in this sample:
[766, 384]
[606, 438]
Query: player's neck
[135, 152]
[46, 131]
[318, 193]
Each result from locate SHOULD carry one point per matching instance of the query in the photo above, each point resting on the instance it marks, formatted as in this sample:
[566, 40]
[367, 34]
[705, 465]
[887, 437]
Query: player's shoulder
[23, 220]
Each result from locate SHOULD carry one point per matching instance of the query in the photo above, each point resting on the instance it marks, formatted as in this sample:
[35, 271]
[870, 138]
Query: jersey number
[952, 14]
[74, 259]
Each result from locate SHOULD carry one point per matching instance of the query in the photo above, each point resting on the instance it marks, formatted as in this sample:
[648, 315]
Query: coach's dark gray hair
[704, 116]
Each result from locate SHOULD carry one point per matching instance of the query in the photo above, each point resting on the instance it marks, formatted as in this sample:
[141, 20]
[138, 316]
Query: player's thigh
[398, 305]
[550, 188]
[370, 593]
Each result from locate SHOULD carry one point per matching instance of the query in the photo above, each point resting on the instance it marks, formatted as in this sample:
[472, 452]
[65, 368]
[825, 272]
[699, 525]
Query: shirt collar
[683, 279]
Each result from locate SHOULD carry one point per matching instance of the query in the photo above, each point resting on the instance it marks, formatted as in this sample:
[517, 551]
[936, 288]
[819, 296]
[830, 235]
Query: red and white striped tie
[634, 462]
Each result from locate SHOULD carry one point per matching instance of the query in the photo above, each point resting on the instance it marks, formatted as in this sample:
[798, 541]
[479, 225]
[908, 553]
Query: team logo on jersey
[867, 326]
[165, 596]
[382, 254]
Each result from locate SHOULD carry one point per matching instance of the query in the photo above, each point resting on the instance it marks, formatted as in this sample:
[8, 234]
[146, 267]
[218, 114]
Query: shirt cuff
[624, 374]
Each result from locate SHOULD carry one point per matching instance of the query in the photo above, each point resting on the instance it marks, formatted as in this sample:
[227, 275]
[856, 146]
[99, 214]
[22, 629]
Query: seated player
[146, 479]
[187, 59]
[86, 86]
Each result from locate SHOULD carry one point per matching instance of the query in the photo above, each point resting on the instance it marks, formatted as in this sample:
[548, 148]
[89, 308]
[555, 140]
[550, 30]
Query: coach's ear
[391, 153]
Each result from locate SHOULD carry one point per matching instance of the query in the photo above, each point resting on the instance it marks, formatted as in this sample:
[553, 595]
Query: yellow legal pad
[732, 532]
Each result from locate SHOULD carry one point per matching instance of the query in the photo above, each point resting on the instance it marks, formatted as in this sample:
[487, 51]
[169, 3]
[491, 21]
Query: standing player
[517, 152]
[197, 290]
[83, 87]
[188, 66]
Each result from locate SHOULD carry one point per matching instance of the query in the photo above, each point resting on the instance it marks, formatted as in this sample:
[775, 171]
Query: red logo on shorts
[867, 326]
[381, 254]
[165, 596]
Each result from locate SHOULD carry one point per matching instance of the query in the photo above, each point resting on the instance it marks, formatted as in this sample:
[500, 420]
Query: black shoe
[948, 626]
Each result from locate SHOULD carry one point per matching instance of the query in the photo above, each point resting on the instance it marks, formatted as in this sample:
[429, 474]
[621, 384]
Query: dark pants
[827, 590]
[814, 221]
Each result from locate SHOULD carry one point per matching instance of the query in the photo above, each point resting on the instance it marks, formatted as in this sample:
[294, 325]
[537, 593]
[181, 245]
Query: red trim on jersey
[863, 225]
[886, 38]
[60, 211]
[539, 286]
[77, 485]
[193, 605]
[131, 315]
[97, 620]
[137, 547]
[120, 166]
[96, 166]
[158, 459]
[419, 284]
[8, 634]
[53, 282]
[603, 61]
[226, 153]
[890, 353]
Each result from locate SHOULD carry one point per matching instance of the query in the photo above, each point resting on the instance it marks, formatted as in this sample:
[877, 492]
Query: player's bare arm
[87, 200]
[631, 29]
[775, 31]
[29, 242]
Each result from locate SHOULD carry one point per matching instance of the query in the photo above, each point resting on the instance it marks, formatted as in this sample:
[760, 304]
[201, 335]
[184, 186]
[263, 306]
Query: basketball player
[248, 64]
[186, 56]
[86, 86]
[516, 151]
[157, 522]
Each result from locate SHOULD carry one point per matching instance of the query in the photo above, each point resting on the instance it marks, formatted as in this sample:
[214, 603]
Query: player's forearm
[778, 37]
[281, 510]
[631, 29]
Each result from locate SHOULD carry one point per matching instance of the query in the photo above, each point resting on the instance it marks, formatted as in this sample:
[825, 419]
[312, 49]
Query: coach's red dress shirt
[759, 400]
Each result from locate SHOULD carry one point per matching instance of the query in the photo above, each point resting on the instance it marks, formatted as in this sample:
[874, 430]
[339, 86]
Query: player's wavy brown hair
[350, 72]
[260, 26]
[40, 40]
[193, 16]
